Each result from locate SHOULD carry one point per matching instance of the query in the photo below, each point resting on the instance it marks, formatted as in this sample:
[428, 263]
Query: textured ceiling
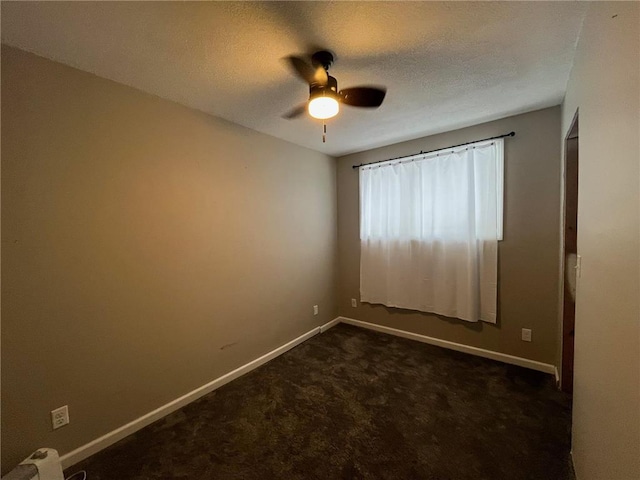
[447, 65]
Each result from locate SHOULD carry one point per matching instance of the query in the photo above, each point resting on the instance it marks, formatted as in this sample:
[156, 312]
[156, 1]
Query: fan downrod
[323, 57]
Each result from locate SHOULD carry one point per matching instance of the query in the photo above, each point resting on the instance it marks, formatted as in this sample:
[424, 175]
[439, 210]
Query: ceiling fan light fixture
[323, 107]
[324, 96]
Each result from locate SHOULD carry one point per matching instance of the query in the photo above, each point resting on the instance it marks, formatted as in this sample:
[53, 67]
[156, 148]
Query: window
[429, 231]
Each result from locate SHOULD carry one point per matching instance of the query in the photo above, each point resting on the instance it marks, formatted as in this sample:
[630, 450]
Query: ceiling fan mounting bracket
[324, 58]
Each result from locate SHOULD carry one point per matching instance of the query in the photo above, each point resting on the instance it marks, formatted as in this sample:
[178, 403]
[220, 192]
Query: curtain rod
[510, 134]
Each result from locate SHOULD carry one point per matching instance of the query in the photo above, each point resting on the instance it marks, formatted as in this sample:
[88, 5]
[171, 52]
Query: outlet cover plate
[526, 334]
[60, 417]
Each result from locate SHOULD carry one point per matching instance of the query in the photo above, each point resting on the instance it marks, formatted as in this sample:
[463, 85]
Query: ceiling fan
[324, 96]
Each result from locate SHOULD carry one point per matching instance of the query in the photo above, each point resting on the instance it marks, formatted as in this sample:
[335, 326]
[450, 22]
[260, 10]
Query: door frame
[570, 178]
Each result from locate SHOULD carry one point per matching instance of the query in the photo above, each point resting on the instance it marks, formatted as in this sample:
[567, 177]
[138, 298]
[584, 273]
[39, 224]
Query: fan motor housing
[331, 87]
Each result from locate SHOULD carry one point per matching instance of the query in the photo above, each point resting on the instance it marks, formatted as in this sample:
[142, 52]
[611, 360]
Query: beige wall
[139, 239]
[604, 86]
[528, 255]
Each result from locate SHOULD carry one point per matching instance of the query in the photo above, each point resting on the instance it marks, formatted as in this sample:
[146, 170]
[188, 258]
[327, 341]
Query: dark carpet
[356, 404]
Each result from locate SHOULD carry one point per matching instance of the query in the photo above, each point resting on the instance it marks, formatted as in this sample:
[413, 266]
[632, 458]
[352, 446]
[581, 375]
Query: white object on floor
[43, 464]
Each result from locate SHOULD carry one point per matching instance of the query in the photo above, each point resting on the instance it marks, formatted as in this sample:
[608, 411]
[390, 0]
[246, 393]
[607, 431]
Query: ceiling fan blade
[301, 68]
[370, 97]
[308, 73]
[320, 76]
[295, 112]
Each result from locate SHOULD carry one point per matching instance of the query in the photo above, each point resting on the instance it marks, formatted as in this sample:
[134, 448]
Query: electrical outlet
[60, 417]
[354, 303]
[315, 309]
[526, 334]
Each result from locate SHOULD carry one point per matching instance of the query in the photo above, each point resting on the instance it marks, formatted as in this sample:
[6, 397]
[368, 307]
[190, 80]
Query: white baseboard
[480, 352]
[112, 437]
[328, 325]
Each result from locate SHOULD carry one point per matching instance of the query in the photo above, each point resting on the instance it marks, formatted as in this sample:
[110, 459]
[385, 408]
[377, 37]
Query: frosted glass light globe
[323, 107]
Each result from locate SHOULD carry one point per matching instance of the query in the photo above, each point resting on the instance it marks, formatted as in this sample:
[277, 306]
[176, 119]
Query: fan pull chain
[324, 132]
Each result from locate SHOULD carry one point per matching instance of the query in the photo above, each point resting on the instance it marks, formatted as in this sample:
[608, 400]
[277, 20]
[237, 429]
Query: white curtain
[429, 231]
